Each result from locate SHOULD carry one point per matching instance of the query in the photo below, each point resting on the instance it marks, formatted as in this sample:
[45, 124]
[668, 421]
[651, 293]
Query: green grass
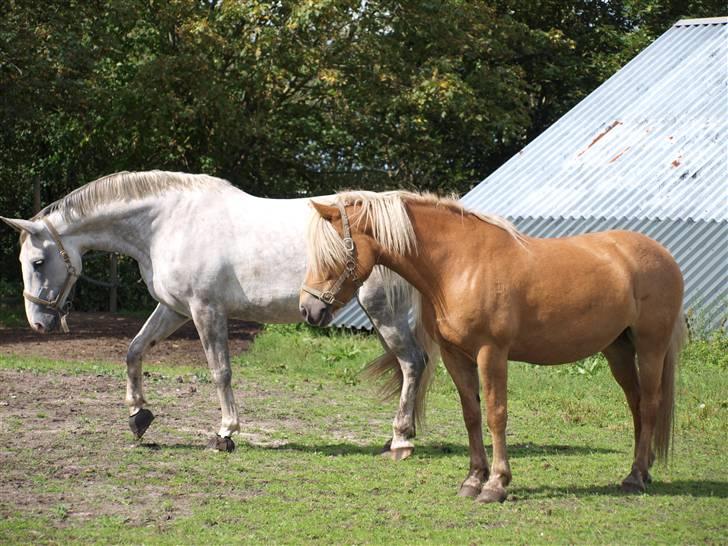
[306, 470]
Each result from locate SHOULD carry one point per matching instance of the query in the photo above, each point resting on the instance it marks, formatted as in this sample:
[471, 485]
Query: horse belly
[553, 348]
[268, 308]
[577, 324]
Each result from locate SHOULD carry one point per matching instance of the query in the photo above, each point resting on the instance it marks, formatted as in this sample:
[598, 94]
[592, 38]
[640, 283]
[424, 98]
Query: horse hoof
[468, 491]
[220, 443]
[140, 421]
[632, 484]
[399, 453]
[488, 495]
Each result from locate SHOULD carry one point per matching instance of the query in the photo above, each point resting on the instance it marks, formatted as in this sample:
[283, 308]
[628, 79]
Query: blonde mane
[391, 226]
[125, 186]
[390, 223]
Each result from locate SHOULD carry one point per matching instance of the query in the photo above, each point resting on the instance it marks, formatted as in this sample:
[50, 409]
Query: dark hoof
[488, 495]
[470, 487]
[218, 443]
[633, 484]
[140, 421]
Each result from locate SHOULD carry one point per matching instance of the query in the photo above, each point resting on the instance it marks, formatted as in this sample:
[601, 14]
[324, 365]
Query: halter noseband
[55, 303]
[329, 296]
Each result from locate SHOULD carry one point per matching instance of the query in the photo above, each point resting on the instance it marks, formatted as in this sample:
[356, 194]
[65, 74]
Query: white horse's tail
[388, 366]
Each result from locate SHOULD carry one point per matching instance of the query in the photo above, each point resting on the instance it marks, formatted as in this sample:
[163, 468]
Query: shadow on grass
[689, 488]
[437, 449]
[154, 446]
[684, 488]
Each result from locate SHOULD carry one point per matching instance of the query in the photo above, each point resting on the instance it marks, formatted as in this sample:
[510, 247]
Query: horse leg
[160, 324]
[493, 370]
[465, 376]
[212, 326]
[621, 358]
[650, 357]
[391, 320]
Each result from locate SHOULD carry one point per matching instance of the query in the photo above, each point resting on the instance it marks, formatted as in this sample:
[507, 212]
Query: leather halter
[329, 296]
[55, 303]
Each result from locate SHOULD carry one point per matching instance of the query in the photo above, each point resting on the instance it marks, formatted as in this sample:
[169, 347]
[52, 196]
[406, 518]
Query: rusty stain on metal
[616, 157]
[600, 136]
[676, 162]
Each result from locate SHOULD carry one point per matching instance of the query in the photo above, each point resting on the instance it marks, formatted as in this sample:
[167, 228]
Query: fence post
[113, 280]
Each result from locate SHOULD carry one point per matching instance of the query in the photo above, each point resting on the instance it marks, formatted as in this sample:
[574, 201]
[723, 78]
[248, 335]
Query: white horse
[207, 252]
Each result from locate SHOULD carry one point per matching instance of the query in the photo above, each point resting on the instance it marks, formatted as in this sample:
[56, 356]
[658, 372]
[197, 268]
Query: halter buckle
[348, 244]
[327, 297]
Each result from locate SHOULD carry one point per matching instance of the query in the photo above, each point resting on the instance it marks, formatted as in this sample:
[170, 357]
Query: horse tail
[665, 425]
[432, 355]
[387, 366]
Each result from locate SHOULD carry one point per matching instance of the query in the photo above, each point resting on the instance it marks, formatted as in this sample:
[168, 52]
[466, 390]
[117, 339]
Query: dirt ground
[65, 445]
[106, 337]
[71, 423]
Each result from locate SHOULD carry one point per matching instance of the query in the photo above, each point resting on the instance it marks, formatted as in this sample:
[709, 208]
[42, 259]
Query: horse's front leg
[493, 371]
[160, 324]
[391, 320]
[464, 374]
[212, 326]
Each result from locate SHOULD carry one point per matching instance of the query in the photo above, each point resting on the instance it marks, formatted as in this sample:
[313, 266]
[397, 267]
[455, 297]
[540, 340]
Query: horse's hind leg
[653, 345]
[391, 321]
[621, 358]
[212, 326]
[160, 324]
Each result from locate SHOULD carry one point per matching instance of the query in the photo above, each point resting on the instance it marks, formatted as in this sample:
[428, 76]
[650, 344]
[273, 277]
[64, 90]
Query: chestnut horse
[490, 294]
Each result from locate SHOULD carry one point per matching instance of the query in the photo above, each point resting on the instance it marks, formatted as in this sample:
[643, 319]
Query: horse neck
[124, 228]
[448, 245]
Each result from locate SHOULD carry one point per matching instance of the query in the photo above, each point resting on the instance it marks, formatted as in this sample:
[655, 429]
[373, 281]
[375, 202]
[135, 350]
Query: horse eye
[37, 264]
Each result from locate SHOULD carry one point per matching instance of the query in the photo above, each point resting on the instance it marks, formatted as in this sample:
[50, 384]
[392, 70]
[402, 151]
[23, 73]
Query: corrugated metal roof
[352, 316]
[646, 151]
[651, 142]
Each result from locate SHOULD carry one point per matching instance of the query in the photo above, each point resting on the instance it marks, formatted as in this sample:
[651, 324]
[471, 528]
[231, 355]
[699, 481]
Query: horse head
[340, 258]
[50, 269]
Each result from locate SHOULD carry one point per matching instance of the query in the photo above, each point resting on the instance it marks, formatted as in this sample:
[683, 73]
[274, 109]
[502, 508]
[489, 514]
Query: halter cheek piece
[55, 303]
[329, 296]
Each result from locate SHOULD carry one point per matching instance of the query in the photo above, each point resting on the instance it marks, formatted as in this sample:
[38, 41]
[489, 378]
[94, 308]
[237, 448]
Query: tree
[297, 97]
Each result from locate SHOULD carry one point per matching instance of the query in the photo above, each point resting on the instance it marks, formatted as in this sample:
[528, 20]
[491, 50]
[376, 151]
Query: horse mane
[125, 186]
[391, 226]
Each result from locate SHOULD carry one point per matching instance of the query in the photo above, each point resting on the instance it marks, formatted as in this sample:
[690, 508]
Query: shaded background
[292, 98]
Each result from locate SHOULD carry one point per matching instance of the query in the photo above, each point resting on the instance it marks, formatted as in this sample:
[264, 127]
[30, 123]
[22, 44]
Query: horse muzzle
[315, 312]
[45, 322]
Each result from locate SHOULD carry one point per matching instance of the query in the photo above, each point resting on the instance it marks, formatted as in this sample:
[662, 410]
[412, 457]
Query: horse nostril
[304, 312]
[39, 327]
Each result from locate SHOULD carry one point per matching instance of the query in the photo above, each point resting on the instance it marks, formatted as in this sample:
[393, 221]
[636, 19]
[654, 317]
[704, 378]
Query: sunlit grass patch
[306, 468]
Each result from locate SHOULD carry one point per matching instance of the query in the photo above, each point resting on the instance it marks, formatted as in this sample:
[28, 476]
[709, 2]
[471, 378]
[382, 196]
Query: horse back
[581, 292]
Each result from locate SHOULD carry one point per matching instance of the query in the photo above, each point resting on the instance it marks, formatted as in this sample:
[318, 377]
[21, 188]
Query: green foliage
[709, 353]
[295, 98]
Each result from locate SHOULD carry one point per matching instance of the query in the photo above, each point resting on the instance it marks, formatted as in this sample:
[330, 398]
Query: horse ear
[28, 226]
[327, 212]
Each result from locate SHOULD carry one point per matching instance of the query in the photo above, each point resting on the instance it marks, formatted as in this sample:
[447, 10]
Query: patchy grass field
[306, 468]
